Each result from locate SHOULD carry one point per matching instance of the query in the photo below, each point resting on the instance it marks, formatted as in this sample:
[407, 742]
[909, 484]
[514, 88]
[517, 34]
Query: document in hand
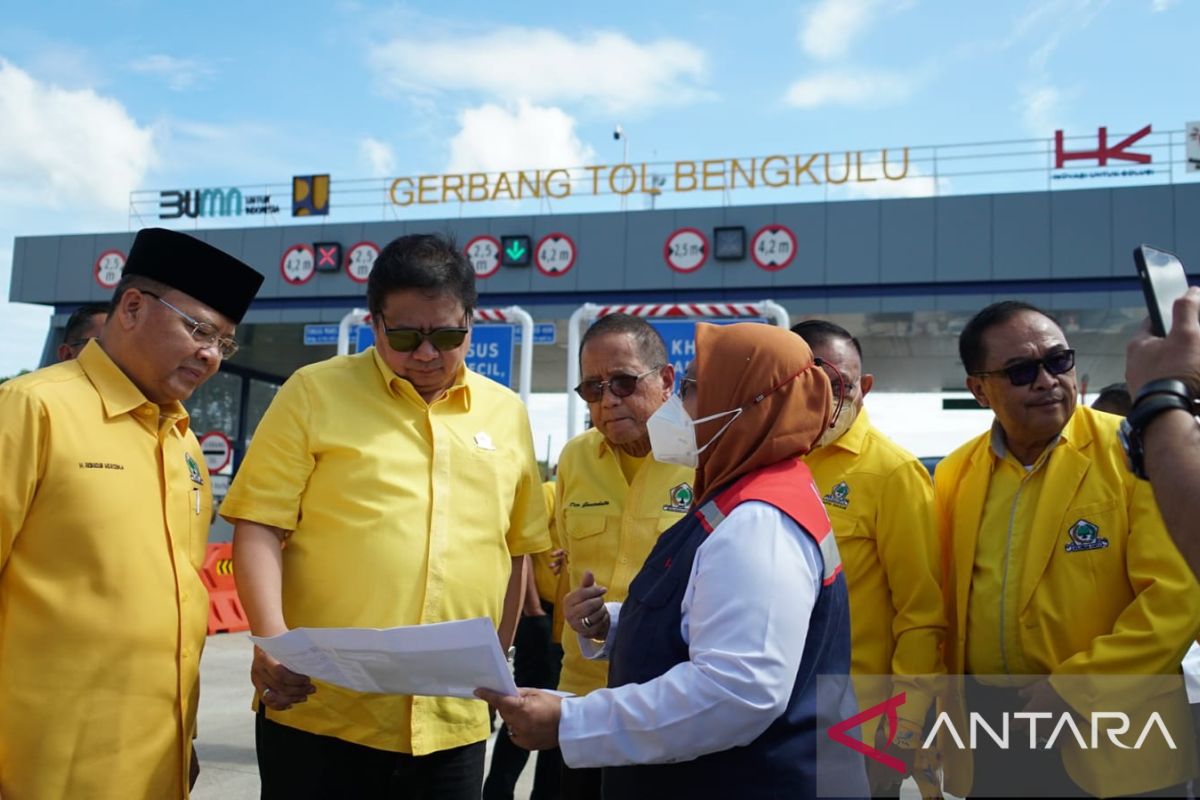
[449, 659]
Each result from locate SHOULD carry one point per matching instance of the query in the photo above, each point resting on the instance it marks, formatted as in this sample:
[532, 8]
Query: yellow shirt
[880, 501]
[993, 641]
[543, 576]
[102, 611]
[1100, 591]
[608, 527]
[403, 513]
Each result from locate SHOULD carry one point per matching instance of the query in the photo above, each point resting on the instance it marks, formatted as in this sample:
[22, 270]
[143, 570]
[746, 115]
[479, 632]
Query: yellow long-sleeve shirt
[880, 501]
[608, 527]
[105, 506]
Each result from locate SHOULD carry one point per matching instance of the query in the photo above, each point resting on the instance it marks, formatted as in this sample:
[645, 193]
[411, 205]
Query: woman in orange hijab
[741, 605]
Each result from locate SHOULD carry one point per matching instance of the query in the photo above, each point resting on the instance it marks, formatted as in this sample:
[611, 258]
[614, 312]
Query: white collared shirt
[745, 618]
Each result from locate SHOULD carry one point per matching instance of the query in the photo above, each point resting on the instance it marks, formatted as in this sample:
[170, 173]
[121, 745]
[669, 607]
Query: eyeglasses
[592, 391]
[1025, 372]
[836, 383]
[202, 332]
[406, 340]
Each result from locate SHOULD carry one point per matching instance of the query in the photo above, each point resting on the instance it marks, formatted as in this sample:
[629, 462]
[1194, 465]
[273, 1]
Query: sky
[104, 98]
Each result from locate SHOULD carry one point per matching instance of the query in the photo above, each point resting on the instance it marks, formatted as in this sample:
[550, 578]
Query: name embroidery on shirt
[99, 465]
[588, 504]
[193, 469]
[839, 496]
[1085, 535]
[680, 498]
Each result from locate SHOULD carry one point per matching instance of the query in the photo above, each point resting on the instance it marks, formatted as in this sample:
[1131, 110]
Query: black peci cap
[183, 262]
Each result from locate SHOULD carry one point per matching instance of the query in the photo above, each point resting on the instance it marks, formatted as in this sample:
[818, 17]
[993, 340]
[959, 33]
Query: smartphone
[1163, 282]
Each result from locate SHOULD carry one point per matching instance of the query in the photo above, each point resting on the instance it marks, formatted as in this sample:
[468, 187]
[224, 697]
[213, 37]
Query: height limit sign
[554, 254]
[484, 254]
[773, 247]
[686, 250]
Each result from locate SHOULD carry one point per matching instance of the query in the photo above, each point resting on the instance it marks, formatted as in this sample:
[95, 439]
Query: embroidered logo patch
[680, 498]
[839, 496]
[193, 469]
[1085, 536]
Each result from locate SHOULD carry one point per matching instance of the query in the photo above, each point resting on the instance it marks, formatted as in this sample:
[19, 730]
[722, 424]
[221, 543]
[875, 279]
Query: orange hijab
[735, 364]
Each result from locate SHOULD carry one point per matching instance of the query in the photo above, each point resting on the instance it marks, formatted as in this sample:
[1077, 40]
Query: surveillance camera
[617, 132]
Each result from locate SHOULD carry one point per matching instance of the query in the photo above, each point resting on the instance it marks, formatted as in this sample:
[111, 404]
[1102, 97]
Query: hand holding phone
[1163, 282]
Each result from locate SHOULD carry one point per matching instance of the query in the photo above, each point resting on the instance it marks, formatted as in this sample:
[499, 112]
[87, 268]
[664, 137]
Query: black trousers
[297, 765]
[537, 664]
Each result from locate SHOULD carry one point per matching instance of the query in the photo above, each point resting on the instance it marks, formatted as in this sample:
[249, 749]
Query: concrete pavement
[225, 744]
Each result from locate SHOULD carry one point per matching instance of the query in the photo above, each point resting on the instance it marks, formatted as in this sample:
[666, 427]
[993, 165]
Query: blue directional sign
[543, 333]
[680, 337]
[491, 353]
[315, 335]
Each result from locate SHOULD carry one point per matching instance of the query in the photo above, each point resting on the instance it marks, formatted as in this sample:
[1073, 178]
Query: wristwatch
[1166, 394]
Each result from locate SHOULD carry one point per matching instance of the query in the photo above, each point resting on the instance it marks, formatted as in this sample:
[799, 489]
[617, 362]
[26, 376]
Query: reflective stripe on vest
[710, 516]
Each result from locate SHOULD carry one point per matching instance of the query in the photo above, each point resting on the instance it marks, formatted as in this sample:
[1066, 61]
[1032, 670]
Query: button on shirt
[102, 611]
[403, 512]
[608, 527]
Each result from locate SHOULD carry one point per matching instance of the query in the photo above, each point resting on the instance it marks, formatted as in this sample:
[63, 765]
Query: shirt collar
[118, 393]
[459, 391]
[852, 440]
[1000, 450]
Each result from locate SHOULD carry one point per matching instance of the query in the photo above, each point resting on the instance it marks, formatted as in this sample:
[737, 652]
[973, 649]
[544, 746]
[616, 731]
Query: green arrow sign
[516, 250]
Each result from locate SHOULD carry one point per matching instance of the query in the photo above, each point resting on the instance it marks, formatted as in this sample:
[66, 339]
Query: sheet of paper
[447, 659]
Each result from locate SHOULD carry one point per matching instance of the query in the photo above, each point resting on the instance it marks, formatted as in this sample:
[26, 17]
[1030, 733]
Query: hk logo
[1103, 152]
[840, 732]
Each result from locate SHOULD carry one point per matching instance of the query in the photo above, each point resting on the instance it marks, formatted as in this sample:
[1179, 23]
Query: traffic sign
[555, 254]
[686, 250]
[543, 333]
[484, 254]
[515, 251]
[329, 256]
[217, 449]
[491, 352]
[773, 247]
[317, 335]
[679, 335]
[298, 264]
[108, 268]
[360, 258]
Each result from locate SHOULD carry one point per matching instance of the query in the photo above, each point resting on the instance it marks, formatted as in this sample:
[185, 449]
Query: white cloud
[830, 28]
[1040, 108]
[1163, 5]
[845, 88]
[180, 74]
[544, 66]
[378, 157]
[492, 139]
[916, 183]
[61, 148]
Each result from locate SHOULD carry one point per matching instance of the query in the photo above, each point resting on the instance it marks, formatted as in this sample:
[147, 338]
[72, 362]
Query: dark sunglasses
[592, 391]
[1024, 373]
[406, 340]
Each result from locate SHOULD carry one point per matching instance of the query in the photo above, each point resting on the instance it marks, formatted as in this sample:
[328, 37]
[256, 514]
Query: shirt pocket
[589, 550]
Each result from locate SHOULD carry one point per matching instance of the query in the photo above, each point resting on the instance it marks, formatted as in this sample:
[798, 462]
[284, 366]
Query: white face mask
[845, 419]
[673, 433]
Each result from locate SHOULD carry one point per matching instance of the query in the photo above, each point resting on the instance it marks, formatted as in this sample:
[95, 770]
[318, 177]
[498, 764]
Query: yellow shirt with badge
[608, 526]
[102, 611]
[403, 513]
[880, 501]
[1096, 590]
